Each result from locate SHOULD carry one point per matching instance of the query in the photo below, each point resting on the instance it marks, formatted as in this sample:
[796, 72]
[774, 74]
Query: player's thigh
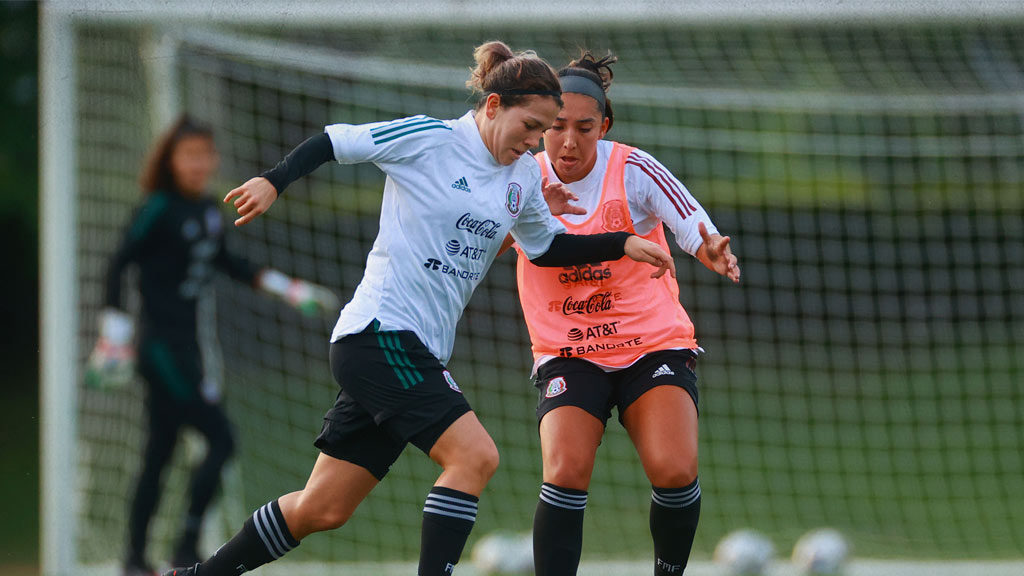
[573, 408]
[465, 443]
[662, 423]
[657, 399]
[569, 437]
[331, 495]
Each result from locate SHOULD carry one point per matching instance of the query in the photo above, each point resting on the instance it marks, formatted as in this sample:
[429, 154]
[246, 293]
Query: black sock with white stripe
[558, 530]
[674, 515]
[448, 518]
[264, 537]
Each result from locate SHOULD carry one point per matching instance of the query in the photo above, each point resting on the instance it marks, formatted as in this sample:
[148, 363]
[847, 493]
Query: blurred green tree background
[19, 295]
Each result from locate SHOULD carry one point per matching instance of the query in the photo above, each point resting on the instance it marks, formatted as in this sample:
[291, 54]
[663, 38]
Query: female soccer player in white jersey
[604, 335]
[454, 188]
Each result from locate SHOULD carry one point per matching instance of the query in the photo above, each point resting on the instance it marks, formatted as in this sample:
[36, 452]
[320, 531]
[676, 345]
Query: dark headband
[586, 86]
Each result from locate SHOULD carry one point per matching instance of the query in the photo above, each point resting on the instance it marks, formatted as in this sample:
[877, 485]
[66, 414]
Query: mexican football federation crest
[555, 387]
[451, 381]
[514, 199]
[613, 217]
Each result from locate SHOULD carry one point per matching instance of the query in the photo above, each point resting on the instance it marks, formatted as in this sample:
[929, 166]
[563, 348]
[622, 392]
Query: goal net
[864, 375]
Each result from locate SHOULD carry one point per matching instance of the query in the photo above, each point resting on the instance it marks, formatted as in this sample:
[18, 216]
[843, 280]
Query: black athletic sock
[448, 518]
[558, 530]
[264, 537]
[674, 516]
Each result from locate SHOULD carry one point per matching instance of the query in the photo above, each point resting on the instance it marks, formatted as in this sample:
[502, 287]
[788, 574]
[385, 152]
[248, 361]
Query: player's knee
[672, 472]
[568, 470]
[485, 462]
[332, 519]
[477, 465]
[318, 517]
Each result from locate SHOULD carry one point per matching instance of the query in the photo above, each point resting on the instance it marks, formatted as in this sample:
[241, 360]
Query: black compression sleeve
[569, 249]
[305, 158]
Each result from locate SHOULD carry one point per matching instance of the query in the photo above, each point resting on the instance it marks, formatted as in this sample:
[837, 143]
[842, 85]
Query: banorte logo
[487, 228]
[600, 302]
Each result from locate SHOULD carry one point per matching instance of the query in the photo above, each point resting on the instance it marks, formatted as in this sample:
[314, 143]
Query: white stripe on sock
[265, 536]
[454, 503]
[277, 528]
[677, 499]
[443, 512]
[560, 499]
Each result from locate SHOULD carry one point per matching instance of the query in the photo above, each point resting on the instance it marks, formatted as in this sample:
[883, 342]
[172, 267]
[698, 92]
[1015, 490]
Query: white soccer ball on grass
[821, 552]
[744, 552]
[504, 553]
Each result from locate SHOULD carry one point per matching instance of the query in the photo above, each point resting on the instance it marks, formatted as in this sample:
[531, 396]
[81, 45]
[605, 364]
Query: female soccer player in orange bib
[605, 335]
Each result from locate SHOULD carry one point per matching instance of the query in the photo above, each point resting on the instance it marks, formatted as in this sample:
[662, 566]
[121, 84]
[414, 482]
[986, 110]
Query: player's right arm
[378, 142]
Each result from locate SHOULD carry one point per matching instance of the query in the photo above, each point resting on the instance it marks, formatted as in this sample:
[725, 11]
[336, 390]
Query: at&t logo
[595, 331]
[456, 248]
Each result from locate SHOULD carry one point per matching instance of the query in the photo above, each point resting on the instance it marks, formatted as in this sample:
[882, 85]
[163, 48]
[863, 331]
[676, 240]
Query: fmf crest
[514, 199]
[613, 217]
[555, 387]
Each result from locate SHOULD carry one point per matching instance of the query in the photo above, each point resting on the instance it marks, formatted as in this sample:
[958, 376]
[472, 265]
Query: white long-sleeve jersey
[447, 207]
[653, 193]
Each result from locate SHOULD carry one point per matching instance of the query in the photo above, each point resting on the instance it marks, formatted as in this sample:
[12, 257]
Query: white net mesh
[865, 374]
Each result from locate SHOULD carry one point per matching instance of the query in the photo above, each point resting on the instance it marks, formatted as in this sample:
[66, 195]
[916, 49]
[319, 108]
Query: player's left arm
[657, 194]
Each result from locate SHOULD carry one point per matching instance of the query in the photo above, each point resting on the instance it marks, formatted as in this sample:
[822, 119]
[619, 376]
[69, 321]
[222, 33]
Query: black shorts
[393, 392]
[577, 382]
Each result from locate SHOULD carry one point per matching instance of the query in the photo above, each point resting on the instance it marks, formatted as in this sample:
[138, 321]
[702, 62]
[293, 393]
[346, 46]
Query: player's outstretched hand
[558, 196]
[111, 363]
[643, 250]
[719, 255]
[252, 198]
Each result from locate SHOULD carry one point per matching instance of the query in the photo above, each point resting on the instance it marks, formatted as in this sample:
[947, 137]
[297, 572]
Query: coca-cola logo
[600, 302]
[487, 228]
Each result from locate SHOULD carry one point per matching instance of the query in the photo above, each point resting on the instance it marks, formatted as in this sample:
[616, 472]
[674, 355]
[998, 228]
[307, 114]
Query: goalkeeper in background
[176, 239]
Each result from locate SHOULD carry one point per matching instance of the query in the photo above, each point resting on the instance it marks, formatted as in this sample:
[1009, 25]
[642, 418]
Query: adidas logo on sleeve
[461, 184]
